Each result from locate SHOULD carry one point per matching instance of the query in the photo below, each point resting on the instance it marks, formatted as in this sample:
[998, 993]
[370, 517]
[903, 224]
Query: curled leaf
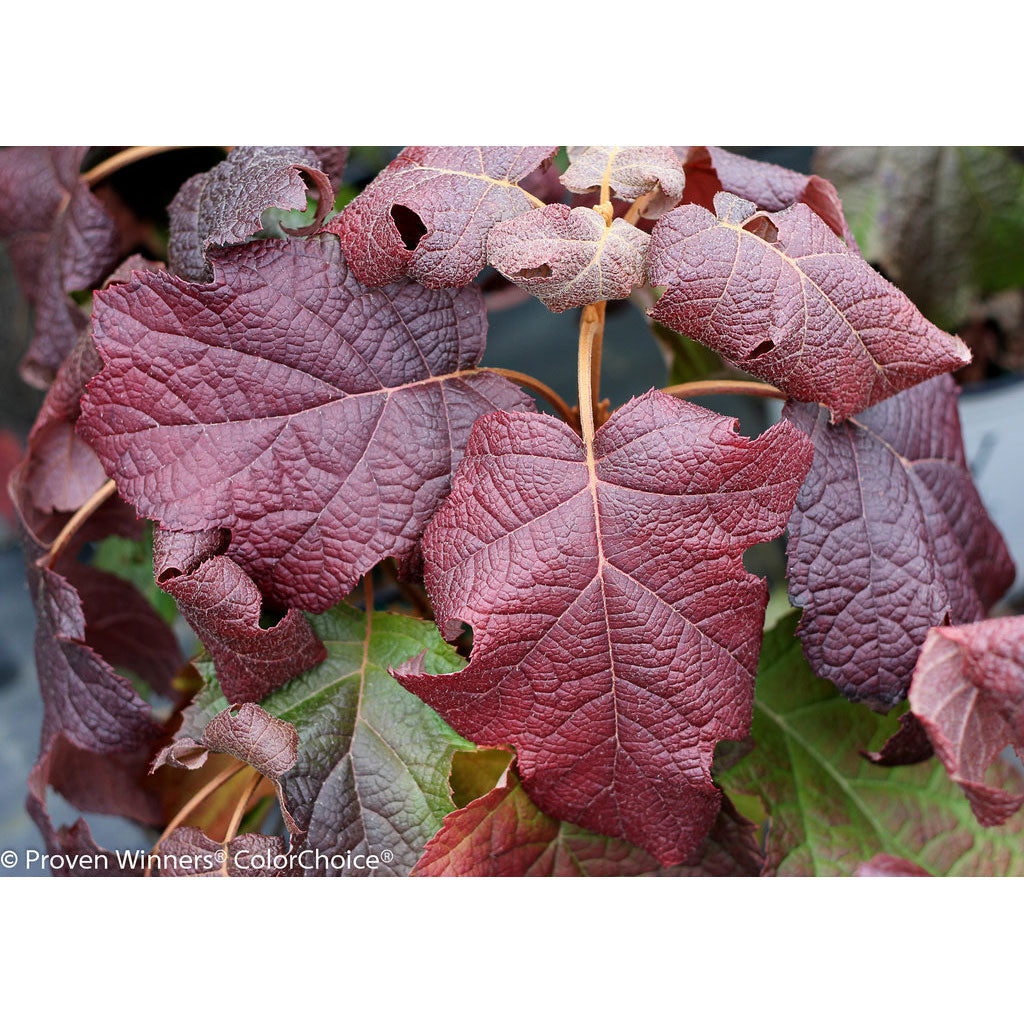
[829, 810]
[710, 170]
[225, 205]
[223, 605]
[889, 537]
[785, 299]
[428, 213]
[630, 172]
[968, 692]
[569, 257]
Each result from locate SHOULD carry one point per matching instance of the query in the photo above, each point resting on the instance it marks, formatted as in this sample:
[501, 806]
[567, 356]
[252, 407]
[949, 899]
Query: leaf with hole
[784, 299]
[569, 257]
[427, 214]
[615, 630]
[317, 420]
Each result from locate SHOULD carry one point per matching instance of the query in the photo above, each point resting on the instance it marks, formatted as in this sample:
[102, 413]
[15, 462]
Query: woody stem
[71, 526]
[724, 387]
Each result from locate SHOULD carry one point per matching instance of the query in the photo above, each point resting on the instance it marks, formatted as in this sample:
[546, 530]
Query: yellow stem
[194, 801]
[236, 817]
[755, 388]
[71, 526]
[639, 207]
[127, 156]
[591, 325]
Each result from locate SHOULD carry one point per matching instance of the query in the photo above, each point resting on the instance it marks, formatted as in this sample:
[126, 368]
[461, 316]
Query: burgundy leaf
[909, 744]
[83, 698]
[889, 538]
[225, 205]
[223, 605]
[785, 299]
[60, 239]
[246, 732]
[710, 170]
[884, 865]
[124, 628]
[318, 420]
[968, 692]
[505, 834]
[189, 853]
[427, 214]
[616, 631]
[569, 257]
[630, 171]
[62, 471]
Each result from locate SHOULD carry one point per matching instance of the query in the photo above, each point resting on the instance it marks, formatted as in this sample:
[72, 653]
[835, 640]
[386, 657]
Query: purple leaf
[427, 214]
[60, 239]
[317, 420]
[223, 605]
[569, 257]
[888, 538]
[225, 205]
[785, 299]
[630, 171]
[968, 692]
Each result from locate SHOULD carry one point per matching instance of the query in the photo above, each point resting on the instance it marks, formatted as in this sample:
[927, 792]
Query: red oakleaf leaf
[569, 257]
[317, 420]
[505, 834]
[225, 205]
[616, 631]
[223, 606]
[888, 538]
[785, 299]
[710, 170]
[631, 172]
[60, 239]
[427, 214]
[62, 471]
[968, 692]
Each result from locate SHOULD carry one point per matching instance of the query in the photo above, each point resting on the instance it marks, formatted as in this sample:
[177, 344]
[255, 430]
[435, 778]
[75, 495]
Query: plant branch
[591, 328]
[368, 593]
[558, 403]
[755, 388]
[127, 156]
[190, 805]
[639, 207]
[236, 817]
[71, 526]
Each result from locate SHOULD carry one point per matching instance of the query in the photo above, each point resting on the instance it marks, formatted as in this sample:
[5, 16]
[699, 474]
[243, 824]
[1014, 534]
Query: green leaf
[829, 809]
[943, 222]
[374, 761]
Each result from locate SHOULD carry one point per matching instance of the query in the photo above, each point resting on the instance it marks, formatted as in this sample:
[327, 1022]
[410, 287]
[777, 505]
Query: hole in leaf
[531, 272]
[476, 772]
[763, 227]
[763, 349]
[409, 225]
[270, 617]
